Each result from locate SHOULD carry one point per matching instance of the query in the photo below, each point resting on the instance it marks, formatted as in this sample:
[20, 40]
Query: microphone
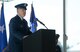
[41, 22]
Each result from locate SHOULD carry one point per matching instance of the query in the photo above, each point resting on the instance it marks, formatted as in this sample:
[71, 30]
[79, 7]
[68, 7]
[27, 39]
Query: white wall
[73, 24]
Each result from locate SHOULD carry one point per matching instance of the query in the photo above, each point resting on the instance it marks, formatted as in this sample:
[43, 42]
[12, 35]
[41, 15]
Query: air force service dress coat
[18, 28]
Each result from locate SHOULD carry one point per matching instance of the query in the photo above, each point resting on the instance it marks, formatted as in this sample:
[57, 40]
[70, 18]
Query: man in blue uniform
[18, 28]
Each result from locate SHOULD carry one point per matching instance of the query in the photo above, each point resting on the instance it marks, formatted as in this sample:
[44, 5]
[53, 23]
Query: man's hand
[25, 36]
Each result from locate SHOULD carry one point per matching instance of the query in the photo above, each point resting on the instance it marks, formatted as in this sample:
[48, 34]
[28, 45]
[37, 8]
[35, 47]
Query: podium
[42, 40]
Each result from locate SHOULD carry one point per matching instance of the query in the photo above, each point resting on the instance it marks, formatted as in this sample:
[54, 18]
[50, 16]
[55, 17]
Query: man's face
[21, 12]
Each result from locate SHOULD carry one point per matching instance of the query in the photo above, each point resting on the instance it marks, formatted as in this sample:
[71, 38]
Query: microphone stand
[45, 26]
[41, 23]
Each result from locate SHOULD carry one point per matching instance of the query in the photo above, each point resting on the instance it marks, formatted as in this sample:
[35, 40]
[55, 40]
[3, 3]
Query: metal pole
[64, 27]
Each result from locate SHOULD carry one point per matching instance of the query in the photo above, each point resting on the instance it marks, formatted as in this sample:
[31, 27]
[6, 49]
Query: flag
[33, 20]
[3, 37]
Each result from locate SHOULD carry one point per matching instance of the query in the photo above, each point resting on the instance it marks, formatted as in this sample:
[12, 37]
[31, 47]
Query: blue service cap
[22, 5]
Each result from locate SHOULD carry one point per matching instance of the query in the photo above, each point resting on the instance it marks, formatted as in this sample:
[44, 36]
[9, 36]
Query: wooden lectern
[42, 40]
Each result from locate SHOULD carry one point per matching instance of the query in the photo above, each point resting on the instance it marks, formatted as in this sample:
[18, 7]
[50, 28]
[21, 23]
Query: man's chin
[24, 16]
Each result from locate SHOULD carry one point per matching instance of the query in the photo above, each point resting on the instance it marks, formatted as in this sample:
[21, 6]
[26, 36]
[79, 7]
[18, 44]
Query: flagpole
[64, 27]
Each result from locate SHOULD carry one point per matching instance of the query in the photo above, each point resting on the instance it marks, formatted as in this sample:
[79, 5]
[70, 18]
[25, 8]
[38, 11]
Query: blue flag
[3, 37]
[33, 20]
